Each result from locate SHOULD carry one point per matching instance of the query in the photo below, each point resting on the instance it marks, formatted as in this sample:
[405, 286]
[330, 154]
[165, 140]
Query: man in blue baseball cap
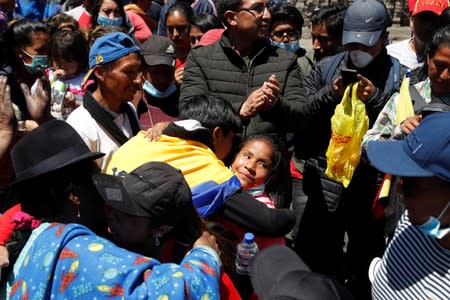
[416, 264]
[106, 120]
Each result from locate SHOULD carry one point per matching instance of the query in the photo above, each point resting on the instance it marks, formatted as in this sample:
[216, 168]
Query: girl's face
[70, 67]
[109, 9]
[178, 29]
[195, 35]
[38, 46]
[253, 164]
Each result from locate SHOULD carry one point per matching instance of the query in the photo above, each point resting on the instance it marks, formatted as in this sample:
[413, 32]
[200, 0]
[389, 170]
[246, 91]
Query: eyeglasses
[257, 11]
[181, 29]
[291, 35]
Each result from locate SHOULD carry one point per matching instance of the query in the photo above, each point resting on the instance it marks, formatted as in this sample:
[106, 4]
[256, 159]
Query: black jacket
[219, 71]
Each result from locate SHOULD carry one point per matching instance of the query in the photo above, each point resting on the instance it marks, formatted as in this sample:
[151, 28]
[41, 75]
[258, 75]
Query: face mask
[360, 58]
[37, 61]
[152, 91]
[257, 191]
[432, 226]
[105, 21]
[291, 46]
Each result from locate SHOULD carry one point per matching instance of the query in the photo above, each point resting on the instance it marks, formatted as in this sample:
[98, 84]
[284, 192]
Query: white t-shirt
[95, 136]
[403, 52]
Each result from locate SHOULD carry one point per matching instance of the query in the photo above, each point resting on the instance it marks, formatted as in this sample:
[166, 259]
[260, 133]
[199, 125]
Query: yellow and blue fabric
[211, 182]
[63, 261]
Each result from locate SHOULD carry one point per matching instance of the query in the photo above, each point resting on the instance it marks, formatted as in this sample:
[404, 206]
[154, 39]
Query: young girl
[256, 166]
[68, 53]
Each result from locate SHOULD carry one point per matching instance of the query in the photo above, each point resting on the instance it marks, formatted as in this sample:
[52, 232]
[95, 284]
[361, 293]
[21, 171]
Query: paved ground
[396, 33]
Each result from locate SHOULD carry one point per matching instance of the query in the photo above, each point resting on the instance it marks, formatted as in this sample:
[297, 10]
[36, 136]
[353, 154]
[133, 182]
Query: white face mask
[360, 58]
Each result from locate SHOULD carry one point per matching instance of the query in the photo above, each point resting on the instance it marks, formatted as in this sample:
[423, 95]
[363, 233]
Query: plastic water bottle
[245, 253]
[58, 91]
[58, 88]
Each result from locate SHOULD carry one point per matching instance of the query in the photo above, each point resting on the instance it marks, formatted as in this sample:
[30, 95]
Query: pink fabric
[24, 221]
[141, 30]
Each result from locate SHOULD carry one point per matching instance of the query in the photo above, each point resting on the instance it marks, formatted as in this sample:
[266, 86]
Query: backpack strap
[330, 67]
[418, 100]
[393, 81]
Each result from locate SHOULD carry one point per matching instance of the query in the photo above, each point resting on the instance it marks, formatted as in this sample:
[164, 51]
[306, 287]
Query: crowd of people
[140, 141]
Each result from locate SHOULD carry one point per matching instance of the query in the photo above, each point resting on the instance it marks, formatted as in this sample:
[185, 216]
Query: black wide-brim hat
[49, 147]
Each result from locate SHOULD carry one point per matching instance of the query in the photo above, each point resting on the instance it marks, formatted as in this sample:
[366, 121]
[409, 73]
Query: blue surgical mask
[257, 190]
[360, 58]
[432, 227]
[37, 61]
[105, 21]
[291, 46]
[154, 92]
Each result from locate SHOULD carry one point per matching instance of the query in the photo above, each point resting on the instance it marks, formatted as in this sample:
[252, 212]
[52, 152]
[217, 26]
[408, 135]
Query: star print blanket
[70, 262]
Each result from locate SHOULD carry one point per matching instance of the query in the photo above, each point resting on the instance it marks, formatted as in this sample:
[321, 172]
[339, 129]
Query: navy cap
[364, 22]
[424, 153]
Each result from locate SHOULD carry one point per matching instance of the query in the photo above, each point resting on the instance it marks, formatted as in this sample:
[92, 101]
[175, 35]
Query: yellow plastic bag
[348, 126]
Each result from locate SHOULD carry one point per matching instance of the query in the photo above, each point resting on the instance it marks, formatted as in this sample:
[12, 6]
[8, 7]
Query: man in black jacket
[331, 209]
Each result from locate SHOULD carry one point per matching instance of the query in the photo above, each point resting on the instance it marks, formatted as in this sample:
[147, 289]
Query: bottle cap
[249, 238]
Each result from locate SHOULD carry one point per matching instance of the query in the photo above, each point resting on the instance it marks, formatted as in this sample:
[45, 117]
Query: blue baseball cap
[424, 153]
[108, 48]
[364, 22]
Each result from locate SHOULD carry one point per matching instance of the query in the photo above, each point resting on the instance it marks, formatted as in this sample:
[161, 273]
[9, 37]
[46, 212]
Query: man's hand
[410, 123]
[207, 239]
[271, 88]
[179, 75]
[4, 257]
[253, 104]
[153, 134]
[366, 89]
[38, 103]
[338, 86]
[6, 109]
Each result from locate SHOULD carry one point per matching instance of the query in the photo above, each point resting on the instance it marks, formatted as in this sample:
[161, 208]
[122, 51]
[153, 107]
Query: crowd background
[182, 125]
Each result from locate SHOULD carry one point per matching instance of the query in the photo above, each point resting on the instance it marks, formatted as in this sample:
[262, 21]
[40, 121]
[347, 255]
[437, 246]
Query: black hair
[441, 37]
[333, 19]
[444, 18]
[286, 13]
[224, 5]
[102, 30]
[206, 22]
[96, 10]
[211, 113]
[19, 35]
[71, 46]
[55, 21]
[182, 7]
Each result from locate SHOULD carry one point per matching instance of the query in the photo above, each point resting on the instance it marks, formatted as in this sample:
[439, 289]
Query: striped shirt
[414, 266]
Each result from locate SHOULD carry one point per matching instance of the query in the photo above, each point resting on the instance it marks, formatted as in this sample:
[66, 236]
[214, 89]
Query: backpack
[393, 82]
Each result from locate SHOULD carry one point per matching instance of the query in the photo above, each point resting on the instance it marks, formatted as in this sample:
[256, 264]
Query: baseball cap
[364, 22]
[424, 153]
[155, 190]
[108, 48]
[158, 50]
[436, 6]
[279, 273]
